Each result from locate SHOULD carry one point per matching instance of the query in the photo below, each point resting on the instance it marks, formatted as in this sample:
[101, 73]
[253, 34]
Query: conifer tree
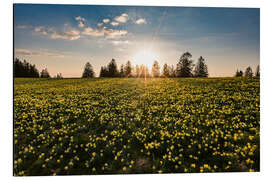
[155, 69]
[184, 66]
[201, 68]
[88, 71]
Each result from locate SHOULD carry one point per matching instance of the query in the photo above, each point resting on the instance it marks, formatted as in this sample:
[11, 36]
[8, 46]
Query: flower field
[135, 125]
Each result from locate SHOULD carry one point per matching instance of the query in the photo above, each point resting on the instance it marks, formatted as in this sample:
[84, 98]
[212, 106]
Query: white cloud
[116, 43]
[79, 18]
[44, 33]
[70, 35]
[93, 32]
[122, 19]
[114, 23]
[39, 28]
[108, 33]
[74, 34]
[106, 20]
[99, 24]
[23, 27]
[81, 25]
[80, 21]
[141, 21]
[87, 30]
[112, 34]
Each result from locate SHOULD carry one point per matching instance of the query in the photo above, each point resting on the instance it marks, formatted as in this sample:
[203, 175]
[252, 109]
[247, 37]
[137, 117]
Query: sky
[62, 38]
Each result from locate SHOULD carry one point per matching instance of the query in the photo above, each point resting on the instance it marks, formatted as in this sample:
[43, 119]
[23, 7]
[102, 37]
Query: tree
[144, 71]
[59, 76]
[239, 73]
[155, 69]
[88, 71]
[122, 73]
[248, 72]
[44, 73]
[128, 69]
[103, 71]
[24, 69]
[166, 70]
[172, 71]
[112, 69]
[257, 74]
[137, 71]
[33, 71]
[201, 68]
[184, 66]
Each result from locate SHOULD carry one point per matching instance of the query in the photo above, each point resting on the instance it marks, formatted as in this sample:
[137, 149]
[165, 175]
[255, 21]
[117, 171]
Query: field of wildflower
[135, 125]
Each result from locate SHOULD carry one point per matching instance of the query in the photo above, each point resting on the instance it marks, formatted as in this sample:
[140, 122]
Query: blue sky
[63, 38]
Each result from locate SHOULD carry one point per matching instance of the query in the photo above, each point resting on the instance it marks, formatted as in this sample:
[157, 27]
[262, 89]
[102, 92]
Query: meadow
[136, 125]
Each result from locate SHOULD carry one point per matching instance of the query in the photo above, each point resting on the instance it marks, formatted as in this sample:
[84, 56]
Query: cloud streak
[79, 18]
[23, 26]
[93, 32]
[114, 23]
[117, 43]
[26, 52]
[107, 33]
[70, 35]
[39, 28]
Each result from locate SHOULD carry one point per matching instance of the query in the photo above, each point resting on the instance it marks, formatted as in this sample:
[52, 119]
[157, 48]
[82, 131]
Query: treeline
[184, 68]
[25, 69]
[248, 72]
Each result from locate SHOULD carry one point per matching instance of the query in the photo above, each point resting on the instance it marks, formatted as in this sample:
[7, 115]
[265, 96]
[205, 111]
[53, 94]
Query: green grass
[108, 126]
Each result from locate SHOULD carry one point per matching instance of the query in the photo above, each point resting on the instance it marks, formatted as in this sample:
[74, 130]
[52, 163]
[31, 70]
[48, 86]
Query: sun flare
[145, 57]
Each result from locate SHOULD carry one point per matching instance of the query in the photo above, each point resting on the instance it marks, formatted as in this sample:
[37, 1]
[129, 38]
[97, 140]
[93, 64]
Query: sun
[145, 57]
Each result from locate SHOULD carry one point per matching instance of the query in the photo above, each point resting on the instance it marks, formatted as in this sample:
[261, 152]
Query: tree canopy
[128, 69]
[166, 70]
[24, 69]
[257, 74]
[88, 71]
[248, 72]
[155, 69]
[239, 73]
[44, 73]
[185, 66]
[112, 69]
[201, 69]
